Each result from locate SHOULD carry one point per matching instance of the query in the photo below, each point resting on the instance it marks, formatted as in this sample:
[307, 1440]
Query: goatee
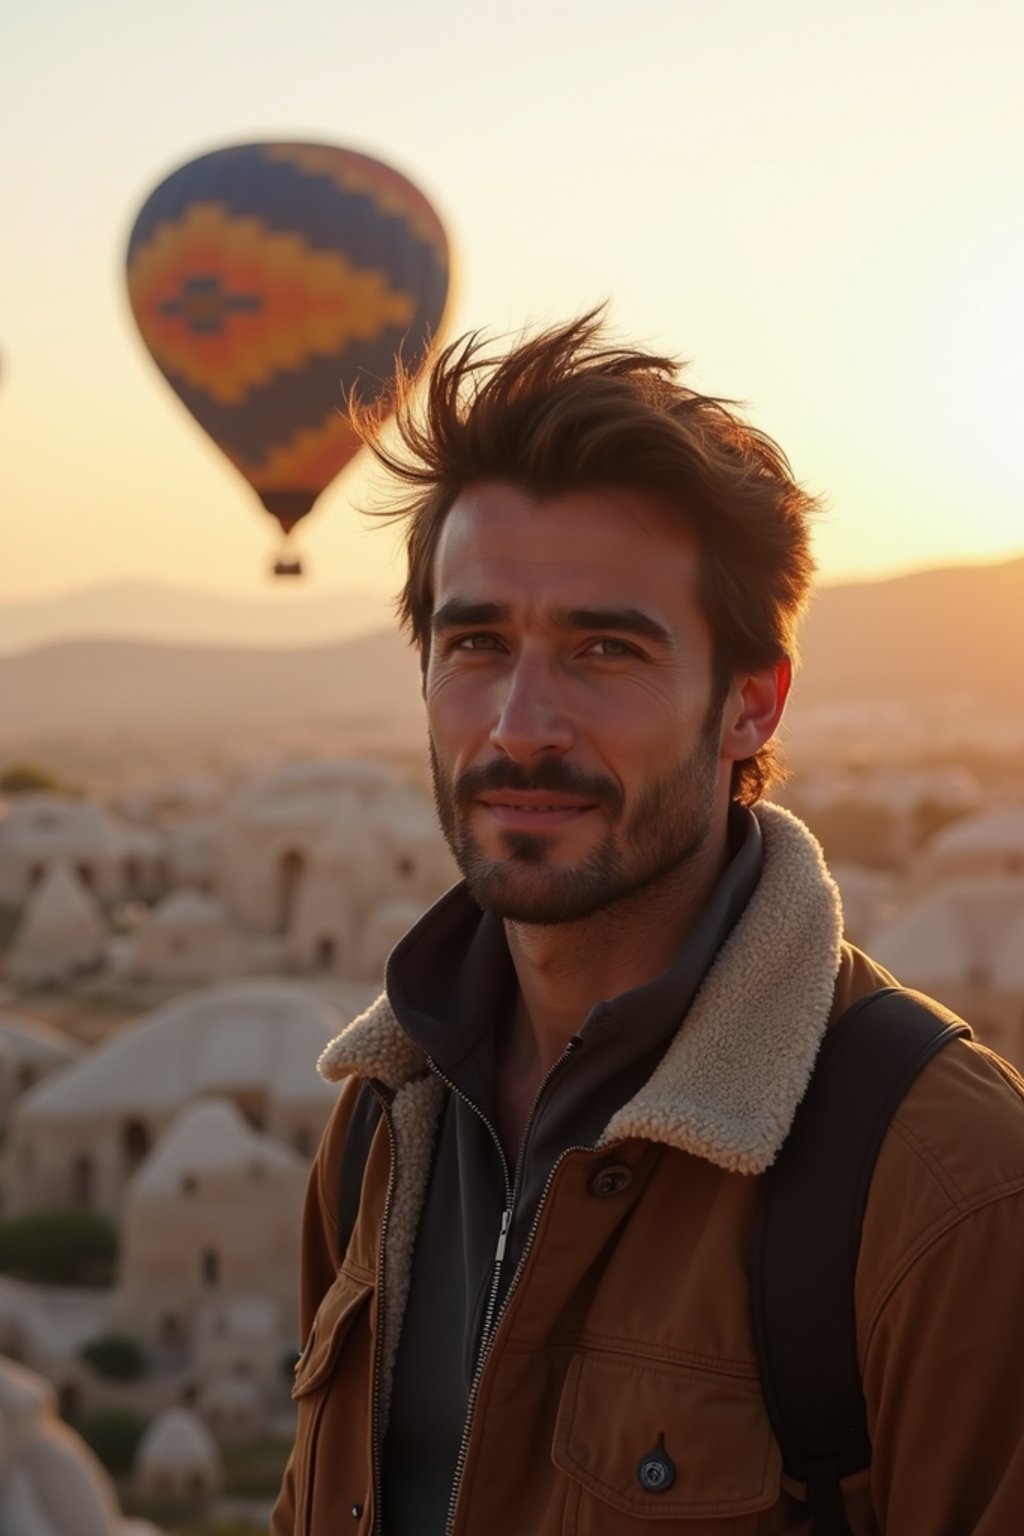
[666, 828]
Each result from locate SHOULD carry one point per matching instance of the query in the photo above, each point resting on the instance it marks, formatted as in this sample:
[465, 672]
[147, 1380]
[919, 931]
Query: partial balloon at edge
[268, 281]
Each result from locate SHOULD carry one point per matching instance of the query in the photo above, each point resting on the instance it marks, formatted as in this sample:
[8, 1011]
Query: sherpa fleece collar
[729, 1084]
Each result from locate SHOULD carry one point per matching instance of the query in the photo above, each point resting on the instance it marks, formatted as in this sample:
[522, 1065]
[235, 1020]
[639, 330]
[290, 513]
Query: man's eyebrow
[630, 621]
[458, 611]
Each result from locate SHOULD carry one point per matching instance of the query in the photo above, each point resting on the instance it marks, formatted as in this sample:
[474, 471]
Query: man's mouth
[526, 810]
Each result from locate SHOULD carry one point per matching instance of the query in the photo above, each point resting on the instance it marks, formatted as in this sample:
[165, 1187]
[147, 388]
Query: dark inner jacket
[452, 987]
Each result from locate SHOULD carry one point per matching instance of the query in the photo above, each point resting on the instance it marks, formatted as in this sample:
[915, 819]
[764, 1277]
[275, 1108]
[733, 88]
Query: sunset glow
[815, 209]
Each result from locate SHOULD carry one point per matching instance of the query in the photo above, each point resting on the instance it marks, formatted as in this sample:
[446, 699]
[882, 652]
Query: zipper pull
[506, 1222]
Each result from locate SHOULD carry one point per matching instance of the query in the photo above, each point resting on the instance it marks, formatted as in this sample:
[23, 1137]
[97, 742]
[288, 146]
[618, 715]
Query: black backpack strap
[366, 1112]
[807, 1236]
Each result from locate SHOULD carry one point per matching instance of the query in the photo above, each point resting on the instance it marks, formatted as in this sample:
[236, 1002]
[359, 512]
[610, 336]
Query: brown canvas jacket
[627, 1329]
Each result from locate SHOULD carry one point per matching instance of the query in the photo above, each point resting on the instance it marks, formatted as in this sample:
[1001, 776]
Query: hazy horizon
[153, 611]
[298, 591]
[884, 673]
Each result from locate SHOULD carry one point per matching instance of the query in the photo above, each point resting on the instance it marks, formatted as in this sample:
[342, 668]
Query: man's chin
[539, 893]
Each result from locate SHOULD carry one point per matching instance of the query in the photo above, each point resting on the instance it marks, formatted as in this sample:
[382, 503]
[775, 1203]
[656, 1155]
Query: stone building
[177, 1461]
[311, 851]
[239, 1347]
[963, 943]
[113, 859]
[78, 1138]
[185, 939]
[193, 852]
[990, 843]
[29, 1052]
[50, 1482]
[211, 1220]
[62, 934]
[868, 896]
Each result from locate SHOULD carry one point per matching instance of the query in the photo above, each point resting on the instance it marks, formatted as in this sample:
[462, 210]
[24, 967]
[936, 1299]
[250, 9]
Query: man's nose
[532, 719]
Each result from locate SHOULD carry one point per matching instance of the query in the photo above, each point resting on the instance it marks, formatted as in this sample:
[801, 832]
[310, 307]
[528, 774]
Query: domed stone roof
[62, 928]
[50, 824]
[177, 1440]
[264, 1035]
[951, 935]
[34, 1042]
[998, 831]
[210, 1136]
[297, 791]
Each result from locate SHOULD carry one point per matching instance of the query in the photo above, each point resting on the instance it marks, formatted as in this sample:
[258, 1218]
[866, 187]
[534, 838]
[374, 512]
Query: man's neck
[564, 969]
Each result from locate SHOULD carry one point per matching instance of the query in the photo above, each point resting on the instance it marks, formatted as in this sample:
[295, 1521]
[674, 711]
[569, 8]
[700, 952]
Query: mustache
[550, 773]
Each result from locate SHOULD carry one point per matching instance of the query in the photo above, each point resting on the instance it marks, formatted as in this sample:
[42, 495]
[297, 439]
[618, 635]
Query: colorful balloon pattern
[267, 281]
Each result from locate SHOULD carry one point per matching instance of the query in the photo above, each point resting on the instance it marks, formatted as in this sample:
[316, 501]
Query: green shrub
[113, 1434]
[25, 778]
[59, 1248]
[116, 1356]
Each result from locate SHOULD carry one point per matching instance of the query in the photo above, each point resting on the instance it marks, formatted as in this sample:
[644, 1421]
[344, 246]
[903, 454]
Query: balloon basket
[286, 565]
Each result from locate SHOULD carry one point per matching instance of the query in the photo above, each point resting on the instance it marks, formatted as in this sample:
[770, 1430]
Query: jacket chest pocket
[651, 1447]
[315, 1383]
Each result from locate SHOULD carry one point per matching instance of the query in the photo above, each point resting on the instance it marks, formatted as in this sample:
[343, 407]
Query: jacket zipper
[494, 1313]
[378, 1353]
[506, 1215]
[460, 1465]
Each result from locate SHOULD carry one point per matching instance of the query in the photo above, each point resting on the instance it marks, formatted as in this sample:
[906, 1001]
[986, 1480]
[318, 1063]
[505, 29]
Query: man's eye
[476, 643]
[609, 646]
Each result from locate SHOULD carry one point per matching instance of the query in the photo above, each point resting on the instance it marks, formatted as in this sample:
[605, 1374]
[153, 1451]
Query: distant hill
[956, 631]
[143, 610]
[941, 645]
[110, 714]
[104, 685]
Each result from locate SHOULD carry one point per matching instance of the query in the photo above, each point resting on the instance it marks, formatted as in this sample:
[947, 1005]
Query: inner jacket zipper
[494, 1313]
[378, 1353]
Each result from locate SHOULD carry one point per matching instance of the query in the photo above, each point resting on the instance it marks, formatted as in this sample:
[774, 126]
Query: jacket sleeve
[944, 1380]
[319, 1261]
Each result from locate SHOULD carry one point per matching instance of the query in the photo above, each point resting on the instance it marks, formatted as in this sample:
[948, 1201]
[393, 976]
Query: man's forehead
[494, 524]
[602, 560]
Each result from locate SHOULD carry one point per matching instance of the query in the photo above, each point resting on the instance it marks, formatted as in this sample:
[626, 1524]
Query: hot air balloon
[267, 281]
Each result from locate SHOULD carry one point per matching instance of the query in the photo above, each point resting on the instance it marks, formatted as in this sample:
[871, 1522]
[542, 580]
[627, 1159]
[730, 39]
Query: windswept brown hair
[565, 411]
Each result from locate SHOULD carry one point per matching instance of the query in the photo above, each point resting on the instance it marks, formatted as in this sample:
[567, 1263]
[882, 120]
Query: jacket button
[656, 1472]
[612, 1179]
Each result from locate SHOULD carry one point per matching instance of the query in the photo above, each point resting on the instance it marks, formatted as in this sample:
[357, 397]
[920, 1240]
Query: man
[590, 1050]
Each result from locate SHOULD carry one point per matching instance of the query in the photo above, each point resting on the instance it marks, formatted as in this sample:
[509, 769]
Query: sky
[821, 208]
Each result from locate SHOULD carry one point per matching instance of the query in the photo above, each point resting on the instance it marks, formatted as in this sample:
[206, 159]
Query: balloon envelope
[269, 279]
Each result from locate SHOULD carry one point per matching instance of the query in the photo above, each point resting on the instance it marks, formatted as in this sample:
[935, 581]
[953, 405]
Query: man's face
[574, 736]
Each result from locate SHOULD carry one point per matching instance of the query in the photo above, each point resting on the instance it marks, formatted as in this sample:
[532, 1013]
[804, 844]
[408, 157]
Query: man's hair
[565, 411]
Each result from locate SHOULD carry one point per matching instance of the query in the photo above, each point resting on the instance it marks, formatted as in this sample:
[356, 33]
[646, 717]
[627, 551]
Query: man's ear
[753, 709]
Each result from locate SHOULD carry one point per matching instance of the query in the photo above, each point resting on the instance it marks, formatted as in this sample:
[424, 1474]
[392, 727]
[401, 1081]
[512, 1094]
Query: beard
[663, 832]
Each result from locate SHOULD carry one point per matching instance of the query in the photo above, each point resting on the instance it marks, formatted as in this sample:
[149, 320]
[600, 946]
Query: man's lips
[526, 809]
